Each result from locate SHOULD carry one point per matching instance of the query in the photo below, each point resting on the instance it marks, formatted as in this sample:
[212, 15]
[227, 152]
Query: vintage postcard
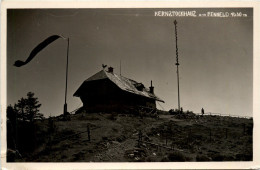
[133, 85]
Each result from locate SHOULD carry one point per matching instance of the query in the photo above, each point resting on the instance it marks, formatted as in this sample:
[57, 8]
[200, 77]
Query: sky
[215, 56]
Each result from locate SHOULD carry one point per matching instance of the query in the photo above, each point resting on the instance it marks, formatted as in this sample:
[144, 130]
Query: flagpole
[177, 64]
[67, 65]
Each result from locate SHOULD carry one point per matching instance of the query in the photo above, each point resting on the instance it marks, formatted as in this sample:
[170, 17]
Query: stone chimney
[151, 88]
[110, 69]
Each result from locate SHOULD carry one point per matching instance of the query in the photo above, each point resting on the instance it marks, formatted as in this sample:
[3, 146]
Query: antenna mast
[120, 67]
[177, 64]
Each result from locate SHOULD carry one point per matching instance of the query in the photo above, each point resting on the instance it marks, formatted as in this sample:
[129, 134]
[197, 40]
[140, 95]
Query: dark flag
[37, 49]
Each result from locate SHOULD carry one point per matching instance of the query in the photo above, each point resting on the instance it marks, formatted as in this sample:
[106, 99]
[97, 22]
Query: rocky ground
[128, 138]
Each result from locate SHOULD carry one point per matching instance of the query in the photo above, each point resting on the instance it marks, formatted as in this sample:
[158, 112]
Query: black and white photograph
[127, 85]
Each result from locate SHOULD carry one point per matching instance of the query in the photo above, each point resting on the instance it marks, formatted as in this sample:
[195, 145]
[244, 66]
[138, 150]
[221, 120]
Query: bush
[112, 116]
[203, 158]
[222, 157]
[165, 159]
[217, 157]
[121, 138]
[80, 110]
[150, 159]
[178, 157]
[173, 112]
[244, 157]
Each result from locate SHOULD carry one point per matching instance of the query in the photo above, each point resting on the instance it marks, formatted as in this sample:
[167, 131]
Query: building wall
[105, 95]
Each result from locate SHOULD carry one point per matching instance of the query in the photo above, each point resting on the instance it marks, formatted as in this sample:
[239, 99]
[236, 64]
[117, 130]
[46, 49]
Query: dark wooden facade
[105, 95]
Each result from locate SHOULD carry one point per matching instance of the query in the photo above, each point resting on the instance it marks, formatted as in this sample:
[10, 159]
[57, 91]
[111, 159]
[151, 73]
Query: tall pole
[120, 67]
[177, 64]
[67, 65]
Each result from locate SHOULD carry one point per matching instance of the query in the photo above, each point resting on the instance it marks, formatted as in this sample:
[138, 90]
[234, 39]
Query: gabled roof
[123, 83]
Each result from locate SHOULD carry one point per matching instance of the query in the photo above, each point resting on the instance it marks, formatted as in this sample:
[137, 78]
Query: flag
[37, 49]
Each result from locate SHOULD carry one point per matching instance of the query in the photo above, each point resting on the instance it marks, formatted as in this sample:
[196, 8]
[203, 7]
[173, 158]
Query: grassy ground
[114, 138]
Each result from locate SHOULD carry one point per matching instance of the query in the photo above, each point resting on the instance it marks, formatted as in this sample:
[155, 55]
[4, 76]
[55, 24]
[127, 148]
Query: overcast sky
[215, 55]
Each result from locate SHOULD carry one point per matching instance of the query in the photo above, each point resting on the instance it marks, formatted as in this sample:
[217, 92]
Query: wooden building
[107, 91]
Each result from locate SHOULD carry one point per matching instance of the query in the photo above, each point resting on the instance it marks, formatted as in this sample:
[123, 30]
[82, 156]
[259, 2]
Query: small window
[139, 86]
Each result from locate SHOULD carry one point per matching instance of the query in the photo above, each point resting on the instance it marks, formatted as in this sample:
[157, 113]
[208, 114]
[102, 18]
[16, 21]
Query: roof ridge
[123, 83]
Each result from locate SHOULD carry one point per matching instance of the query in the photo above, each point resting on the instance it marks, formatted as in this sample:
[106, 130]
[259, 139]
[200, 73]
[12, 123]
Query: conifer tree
[28, 108]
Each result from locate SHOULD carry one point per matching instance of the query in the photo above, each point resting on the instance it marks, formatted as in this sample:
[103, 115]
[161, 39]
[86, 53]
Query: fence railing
[224, 115]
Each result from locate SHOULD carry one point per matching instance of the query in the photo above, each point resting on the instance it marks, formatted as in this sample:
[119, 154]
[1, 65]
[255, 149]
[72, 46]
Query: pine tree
[11, 114]
[32, 107]
[20, 108]
[28, 108]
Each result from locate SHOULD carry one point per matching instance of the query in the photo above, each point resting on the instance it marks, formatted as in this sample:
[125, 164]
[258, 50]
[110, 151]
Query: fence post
[210, 135]
[88, 132]
[190, 134]
[139, 138]
[166, 137]
[244, 128]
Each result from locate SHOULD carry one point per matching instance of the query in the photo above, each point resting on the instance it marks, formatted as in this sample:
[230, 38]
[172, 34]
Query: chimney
[151, 88]
[110, 69]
